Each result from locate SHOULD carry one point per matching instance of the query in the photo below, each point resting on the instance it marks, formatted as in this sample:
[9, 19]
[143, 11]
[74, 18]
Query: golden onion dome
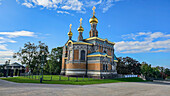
[93, 20]
[80, 29]
[70, 33]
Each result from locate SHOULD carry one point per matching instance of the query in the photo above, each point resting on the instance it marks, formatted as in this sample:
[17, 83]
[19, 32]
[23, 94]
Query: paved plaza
[112, 89]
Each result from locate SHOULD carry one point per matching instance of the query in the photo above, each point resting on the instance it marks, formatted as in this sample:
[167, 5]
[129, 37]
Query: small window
[70, 55]
[66, 53]
[104, 67]
[83, 55]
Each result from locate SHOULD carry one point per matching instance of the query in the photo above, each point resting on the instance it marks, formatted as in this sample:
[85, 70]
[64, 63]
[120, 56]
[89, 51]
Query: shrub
[1, 74]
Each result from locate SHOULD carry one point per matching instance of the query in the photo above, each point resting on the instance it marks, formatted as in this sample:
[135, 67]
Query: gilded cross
[70, 26]
[81, 21]
[93, 10]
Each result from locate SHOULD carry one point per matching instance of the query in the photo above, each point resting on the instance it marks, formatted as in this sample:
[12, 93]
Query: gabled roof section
[97, 38]
[77, 42]
[115, 58]
[15, 64]
[98, 54]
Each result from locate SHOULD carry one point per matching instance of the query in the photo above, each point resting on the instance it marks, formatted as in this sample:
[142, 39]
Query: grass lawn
[72, 80]
[168, 77]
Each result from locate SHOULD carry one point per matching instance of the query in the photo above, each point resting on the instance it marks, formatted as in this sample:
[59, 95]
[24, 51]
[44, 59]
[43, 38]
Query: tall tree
[121, 67]
[128, 65]
[167, 72]
[55, 60]
[31, 55]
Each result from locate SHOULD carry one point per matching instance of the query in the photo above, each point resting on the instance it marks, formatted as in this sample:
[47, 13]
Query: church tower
[93, 21]
[80, 30]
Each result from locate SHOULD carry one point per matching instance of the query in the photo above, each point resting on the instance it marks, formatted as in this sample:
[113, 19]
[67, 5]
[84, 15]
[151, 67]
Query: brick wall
[109, 67]
[76, 54]
[109, 52]
[94, 66]
[63, 61]
[76, 66]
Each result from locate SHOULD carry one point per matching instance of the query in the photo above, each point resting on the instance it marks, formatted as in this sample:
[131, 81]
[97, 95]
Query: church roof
[98, 54]
[115, 58]
[97, 38]
[78, 42]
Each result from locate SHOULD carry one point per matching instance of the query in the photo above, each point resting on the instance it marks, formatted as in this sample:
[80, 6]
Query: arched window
[82, 55]
[106, 67]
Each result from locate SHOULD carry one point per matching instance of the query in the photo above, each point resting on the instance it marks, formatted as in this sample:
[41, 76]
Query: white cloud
[63, 5]
[5, 40]
[92, 3]
[108, 4]
[63, 12]
[158, 35]
[3, 47]
[29, 5]
[73, 5]
[148, 43]
[148, 35]
[18, 34]
[6, 54]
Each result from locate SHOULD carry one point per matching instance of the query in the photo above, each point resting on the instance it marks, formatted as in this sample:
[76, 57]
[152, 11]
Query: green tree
[167, 71]
[55, 60]
[121, 67]
[151, 72]
[128, 65]
[146, 69]
[31, 55]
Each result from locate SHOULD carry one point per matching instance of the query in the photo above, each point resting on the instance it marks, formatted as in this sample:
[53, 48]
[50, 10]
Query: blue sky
[140, 28]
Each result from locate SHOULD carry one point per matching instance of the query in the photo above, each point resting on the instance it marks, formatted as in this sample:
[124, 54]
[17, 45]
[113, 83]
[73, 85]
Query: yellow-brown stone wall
[76, 66]
[76, 54]
[109, 52]
[109, 67]
[101, 48]
[63, 63]
[94, 66]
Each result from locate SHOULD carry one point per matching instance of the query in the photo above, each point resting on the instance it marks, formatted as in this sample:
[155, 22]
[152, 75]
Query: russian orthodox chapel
[92, 57]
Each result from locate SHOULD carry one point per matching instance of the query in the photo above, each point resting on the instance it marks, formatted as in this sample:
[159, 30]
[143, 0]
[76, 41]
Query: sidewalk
[162, 81]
